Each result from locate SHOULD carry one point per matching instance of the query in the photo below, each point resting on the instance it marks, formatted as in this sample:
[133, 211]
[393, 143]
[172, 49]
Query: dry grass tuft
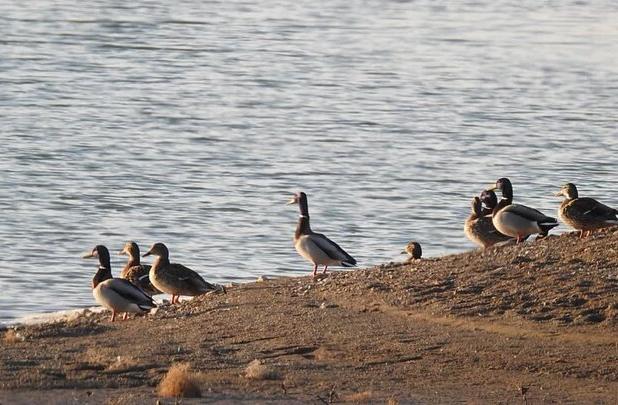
[365, 396]
[392, 401]
[179, 382]
[258, 371]
[11, 336]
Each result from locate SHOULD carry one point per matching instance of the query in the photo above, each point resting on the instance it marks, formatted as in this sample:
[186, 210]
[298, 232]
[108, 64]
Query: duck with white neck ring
[516, 220]
[116, 294]
[175, 279]
[315, 247]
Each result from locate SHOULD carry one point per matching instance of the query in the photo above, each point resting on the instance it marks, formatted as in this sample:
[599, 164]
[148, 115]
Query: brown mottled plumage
[173, 278]
[136, 272]
[584, 214]
[413, 250]
[480, 229]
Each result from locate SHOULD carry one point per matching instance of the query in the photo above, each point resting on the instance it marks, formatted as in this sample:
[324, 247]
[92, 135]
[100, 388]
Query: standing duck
[134, 271]
[516, 220]
[479, 228]
[116, 294]
[173, 278]
[315, 247]
[413, 250]
[584, 214]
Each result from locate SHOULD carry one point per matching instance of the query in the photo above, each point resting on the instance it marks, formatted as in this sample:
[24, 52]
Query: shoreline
[481, 326]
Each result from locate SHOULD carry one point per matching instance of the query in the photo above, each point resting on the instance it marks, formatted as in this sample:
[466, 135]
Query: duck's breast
[308, 249]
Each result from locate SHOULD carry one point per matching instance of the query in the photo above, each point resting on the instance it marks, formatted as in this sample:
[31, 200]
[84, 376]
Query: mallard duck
[516, 220]
[479, 228]
[413, 250]
[584, 214]
[315, 247]
[116, 294]
[134, 271]
[173, 278]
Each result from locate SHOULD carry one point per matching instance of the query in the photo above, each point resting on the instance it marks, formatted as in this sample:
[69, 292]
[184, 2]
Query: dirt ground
[532, 323]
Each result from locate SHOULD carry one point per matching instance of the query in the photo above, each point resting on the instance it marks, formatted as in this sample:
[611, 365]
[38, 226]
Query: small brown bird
[413, 250]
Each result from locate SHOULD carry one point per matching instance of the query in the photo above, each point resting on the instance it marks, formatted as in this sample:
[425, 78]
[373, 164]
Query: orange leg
[581, 233]
[325, 267]
[125, 316]
[315, 270]
[113, 316]
[173, 298]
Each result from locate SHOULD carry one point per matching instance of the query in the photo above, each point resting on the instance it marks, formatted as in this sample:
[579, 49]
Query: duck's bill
[558, 194]
[492, 187]
[146, 254]
[122, 252]
[88, 255]
[292, 201]
[403, 253]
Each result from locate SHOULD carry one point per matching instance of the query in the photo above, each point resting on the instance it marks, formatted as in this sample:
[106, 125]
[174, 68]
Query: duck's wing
[591, 208]
[530, 214]
[191, 279]
[333, 250]
[131, 293]
[138, 275]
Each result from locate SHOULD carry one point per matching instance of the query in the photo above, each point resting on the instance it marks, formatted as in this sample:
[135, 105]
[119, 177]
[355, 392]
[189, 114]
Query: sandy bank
[539, 318]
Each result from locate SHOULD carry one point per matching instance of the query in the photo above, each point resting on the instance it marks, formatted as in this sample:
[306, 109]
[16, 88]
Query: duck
[584, 214]
[173, 278]
[413, 250]
[315, 247]
[479, 228]
[135, 272]
[116, 294]
[517, 220]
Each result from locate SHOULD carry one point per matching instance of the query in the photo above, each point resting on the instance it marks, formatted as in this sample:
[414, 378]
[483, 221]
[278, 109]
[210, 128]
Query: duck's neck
[487, 211]
[303, 227]
[133, 261]
[503, 203]
[104, 273]
[160, 262]
[507, 193]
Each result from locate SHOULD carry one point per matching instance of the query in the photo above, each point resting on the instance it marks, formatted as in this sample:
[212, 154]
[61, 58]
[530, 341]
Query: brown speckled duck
[173, 278]
[413, 250]
[516, 220]
[479, 228]
[315, 247]
[584, 214]
[116, 294]
[136, 272]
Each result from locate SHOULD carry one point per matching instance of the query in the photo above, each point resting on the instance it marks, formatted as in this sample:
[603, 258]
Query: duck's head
[568, 190]
[158, 249]
[297, 198]
[414, 250]
[477, 206]
[130, 249]
[504, 185]
[300, 198]
[489, 199]
[102, 253]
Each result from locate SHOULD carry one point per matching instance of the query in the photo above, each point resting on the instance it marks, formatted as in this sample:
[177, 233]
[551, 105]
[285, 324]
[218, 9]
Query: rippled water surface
[192, 123]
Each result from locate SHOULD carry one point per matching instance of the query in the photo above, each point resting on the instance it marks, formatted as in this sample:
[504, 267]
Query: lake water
[193, 122]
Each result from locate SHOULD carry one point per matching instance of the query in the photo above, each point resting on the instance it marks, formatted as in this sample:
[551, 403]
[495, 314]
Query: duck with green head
[517, 220]
[116, 294]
